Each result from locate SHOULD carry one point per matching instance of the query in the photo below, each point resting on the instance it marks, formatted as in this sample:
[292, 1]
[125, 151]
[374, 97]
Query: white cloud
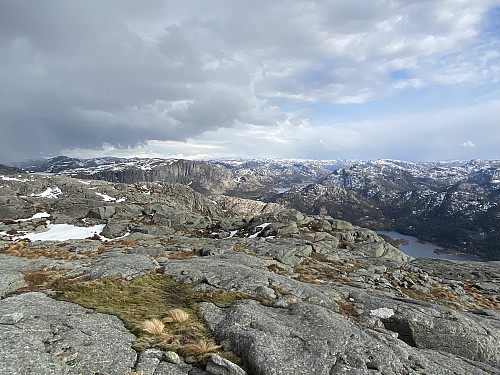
[422, 136]
[468, 144]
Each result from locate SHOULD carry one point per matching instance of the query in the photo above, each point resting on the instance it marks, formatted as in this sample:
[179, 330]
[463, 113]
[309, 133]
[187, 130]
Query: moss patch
[138, 300]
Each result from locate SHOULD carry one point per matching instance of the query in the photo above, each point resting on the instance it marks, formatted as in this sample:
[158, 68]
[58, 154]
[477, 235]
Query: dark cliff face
[198, 175]
[4, 169]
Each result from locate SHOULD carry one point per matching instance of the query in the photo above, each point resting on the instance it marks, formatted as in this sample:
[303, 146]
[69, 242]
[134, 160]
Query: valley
[453, 204]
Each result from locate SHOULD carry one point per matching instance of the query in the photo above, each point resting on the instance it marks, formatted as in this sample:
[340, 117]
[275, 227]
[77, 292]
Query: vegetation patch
[161, 312]
[279, 291]
[21, 250]
[318, 267]
[347, 310]
[180, 255]
[492, 303]
[277, 269]
[239, 246]
[437, 295]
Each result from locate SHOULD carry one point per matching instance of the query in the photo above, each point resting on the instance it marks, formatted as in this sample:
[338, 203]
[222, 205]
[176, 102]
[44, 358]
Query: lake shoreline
[412, 246]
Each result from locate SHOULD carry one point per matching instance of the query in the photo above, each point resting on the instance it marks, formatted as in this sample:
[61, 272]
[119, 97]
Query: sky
[331, 79]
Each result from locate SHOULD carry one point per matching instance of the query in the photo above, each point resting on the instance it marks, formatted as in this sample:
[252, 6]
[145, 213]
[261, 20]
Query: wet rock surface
[287, 293]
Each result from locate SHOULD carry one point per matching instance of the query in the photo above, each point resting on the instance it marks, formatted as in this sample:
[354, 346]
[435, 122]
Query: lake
[421, 250]
[282, 190]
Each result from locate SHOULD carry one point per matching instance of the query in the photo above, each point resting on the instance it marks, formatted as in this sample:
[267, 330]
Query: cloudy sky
[329, 79]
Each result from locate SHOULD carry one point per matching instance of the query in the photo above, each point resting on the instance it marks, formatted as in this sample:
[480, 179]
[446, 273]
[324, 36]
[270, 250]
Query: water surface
[422, 250]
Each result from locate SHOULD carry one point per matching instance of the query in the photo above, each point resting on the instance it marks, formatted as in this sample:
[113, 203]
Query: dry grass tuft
[153, 326]
[21, 250]
[179, 255]
[277, 269]
[307, 279]
[199, 348]
[176, 315]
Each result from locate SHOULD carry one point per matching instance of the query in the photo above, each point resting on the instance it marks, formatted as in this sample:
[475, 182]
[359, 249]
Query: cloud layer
[261, 78]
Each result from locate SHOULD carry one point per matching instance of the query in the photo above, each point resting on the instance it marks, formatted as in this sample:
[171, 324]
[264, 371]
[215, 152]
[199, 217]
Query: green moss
[144, 298]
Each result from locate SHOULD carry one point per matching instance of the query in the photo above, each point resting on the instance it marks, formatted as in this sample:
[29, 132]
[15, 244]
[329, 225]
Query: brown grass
[347, 310]
[279, 291]
[277, 269]
[492, 303]
[239, 246]
[176, 315]
[199, 348]
[21, 250]
[153, 326]
[179, 255]
[307, 279]
[47, 280]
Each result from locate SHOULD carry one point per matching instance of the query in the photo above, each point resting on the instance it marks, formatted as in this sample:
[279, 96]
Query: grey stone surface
[10, 281]
[234, 272]
[315, 267]
[430, 326]
[288, 251]
[309, 339]
[123, 265]
[148, 361]
[115, 228]
[221, 366]
[378, 250]
[104, 212]
[62, 338]
[167, 368]
[172, 357]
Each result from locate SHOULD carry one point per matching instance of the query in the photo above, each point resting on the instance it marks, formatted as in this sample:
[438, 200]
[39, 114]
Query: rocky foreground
[175, 282]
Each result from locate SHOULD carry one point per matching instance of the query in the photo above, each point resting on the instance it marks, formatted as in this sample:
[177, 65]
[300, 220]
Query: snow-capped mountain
[455, 204]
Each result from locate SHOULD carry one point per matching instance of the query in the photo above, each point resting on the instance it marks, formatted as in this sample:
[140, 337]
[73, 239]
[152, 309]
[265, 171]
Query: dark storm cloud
[75, 75]
[78, 74]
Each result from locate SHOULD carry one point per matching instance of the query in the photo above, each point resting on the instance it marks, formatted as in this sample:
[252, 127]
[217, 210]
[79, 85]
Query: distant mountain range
[453, 204]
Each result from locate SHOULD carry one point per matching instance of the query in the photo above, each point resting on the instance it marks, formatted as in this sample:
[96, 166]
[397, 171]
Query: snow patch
[49, 193]
[261, 226]
[382, 313]
[62, 232]
[5, 178]
[232, 234]
[107, 198]
[39, 215]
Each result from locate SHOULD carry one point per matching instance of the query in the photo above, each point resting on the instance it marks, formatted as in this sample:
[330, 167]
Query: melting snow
[49, 193]
[233, 232]
[63, 232]
[107, 198]
[5, 178]
[261, 226]
[38, 215]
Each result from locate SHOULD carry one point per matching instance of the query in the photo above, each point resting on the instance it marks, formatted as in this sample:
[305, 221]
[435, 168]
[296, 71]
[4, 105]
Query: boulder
[55, 338]
[104, 212]
[310, 339]
[122, 265]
